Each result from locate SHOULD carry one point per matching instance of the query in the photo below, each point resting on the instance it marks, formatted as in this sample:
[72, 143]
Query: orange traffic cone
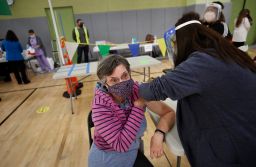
[71, 83]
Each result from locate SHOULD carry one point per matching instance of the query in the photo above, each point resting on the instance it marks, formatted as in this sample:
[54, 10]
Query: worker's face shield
[212, 13]
[170, 41]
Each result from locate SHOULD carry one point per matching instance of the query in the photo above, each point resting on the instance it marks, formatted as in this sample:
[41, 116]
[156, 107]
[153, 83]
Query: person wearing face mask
[242, 26]
[211, 18]
[36, 43]
[226, 34]
[119, 119]
[80, 34]
[215, 110]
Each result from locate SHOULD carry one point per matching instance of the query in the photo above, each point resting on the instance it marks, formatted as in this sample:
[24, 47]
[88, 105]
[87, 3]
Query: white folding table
[172, 137]
[26, 57]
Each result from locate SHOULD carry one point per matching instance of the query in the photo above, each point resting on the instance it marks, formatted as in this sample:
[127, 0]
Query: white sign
[148, 47]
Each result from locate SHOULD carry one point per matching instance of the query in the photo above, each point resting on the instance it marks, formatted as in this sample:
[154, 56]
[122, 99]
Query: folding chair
[90, 126]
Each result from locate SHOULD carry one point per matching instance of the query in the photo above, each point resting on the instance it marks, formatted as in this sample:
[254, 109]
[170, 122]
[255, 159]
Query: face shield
[170, 41]
[170, 38]
[212, 13]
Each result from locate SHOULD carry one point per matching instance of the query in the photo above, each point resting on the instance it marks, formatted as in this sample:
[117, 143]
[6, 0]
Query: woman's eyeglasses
[110, 81]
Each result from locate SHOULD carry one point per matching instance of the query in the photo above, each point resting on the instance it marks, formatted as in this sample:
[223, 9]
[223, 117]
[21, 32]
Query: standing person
[212, 18]
[35, 42]
[242, 26]
[215, 85]
[14, 57]
[4, 67]
[81, 36]
[227, 34]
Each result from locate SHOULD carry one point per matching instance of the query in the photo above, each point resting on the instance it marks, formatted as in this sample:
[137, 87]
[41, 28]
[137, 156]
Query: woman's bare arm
[166, 113]
[166, 122]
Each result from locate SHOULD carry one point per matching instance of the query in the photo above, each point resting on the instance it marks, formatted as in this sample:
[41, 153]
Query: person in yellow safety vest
[81, 36]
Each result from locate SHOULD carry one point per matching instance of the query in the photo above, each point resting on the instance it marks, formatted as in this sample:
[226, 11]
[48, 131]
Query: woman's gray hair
[108, 65]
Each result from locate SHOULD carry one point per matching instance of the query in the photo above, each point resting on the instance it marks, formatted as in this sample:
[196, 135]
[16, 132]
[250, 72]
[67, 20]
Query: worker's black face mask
[81, 25]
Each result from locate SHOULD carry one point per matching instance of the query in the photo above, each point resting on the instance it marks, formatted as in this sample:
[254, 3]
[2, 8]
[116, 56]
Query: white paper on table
[103, 42]
[148, 47]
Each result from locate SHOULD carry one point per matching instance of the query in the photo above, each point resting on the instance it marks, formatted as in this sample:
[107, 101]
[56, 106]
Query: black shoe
[66, 94]
[56, 65]
[79, 85]
[26, 81]
[7, 79]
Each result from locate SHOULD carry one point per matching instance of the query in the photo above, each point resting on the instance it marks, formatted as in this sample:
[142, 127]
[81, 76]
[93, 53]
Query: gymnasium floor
[32, 136]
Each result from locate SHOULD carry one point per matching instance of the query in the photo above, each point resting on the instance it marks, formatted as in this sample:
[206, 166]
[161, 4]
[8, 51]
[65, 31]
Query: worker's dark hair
[31, 31]
[243, 13]
[11, 36]
[78, 20]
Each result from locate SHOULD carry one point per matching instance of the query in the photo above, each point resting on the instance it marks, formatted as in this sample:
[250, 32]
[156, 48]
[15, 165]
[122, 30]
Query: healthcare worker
[215, 85]
[213, 18]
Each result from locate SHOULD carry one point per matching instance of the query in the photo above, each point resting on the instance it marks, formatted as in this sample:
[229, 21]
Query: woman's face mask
[212, 13]
[81, 24]
[123, 89]
[210, 16]
[32, 35]
[119, 82]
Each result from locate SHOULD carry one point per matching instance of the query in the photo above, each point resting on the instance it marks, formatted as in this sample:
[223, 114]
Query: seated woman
[119, 119]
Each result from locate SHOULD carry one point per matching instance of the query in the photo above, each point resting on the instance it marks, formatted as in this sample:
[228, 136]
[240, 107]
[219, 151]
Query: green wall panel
[4, 8]
[36, 8]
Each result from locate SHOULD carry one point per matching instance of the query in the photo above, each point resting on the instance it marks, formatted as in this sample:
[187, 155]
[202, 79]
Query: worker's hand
[156, 145]
[140, 102]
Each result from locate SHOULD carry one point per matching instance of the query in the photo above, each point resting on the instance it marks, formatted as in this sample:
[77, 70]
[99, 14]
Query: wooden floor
[55, 137]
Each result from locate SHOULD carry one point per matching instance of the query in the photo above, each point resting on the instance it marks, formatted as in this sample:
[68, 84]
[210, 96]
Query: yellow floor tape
[43, 109]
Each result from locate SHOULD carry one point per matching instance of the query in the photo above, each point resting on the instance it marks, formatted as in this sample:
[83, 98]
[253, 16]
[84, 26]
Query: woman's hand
[156, 145]
[140, 102]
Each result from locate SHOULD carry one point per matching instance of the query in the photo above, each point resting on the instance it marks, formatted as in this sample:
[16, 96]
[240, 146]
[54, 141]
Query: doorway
[65, 22]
